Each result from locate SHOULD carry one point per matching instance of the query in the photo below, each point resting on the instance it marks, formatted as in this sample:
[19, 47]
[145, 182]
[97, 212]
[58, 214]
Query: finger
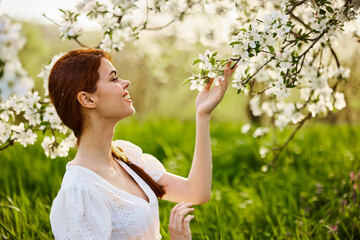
[228, 70]
[180, 216]
[177, 216]
[186, 224]
[184, 205]
[208, 85]
[173, 211]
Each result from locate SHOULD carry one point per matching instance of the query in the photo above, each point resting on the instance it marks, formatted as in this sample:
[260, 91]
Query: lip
[124, 95]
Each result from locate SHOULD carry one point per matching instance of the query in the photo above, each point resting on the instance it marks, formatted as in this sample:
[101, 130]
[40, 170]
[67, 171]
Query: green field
[309, 195]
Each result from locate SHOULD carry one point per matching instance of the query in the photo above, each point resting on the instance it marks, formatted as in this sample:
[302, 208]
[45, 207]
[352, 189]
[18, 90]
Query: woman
[110, 189]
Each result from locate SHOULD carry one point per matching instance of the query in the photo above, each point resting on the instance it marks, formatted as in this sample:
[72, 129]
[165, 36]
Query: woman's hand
[208, 99]
[179, 223]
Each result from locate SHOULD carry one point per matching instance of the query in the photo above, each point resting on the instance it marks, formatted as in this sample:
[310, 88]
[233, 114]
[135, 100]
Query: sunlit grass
[305, 197]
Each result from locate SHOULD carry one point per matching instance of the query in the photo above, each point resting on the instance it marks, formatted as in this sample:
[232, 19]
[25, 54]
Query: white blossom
[197, 84]
[68, 29]
[255, 105]
[13, 78]
[263, 151]
[5, 131]
[245, 128]
[45, 71]
[339, 101]
[260, 132]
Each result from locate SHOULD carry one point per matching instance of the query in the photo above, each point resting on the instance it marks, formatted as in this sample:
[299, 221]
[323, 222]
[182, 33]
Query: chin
[128, 114]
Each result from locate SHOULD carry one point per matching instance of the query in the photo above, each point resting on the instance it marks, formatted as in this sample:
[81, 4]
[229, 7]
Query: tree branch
[8, 144]
[301, 21]
[334, 55]
[258, 70]
[295, 6]
[288, 140]
[80, 43]
[159, 27]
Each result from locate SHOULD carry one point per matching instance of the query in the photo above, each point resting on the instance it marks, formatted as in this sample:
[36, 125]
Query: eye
[115, 79]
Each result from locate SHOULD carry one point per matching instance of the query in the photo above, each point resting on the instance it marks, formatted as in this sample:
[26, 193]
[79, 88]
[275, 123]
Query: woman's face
[113, 99]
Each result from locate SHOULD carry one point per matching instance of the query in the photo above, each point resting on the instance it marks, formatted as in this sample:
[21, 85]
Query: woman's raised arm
[197, 187]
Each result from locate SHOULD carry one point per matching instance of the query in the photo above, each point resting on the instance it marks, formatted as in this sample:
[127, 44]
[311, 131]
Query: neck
[95, 145]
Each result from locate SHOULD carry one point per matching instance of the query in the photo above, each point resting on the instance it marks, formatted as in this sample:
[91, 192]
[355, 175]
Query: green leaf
[187, 81]
[322, 12]
[290, 86]
[196, 61]
[214, 54]
[212, 61]
[242, 29]
[238, 91]
[329, 9]
[271, 49]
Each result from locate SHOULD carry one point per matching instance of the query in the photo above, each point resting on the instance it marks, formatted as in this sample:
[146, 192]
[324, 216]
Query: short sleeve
[79, 212]
[151, 165]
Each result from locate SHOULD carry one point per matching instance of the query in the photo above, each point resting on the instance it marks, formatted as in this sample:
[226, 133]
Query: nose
[126, 84]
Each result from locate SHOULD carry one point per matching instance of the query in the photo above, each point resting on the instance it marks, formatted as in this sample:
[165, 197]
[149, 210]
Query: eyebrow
[113, 71]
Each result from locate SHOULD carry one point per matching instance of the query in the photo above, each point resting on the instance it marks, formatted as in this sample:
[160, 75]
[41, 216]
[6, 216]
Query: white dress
[89, 207]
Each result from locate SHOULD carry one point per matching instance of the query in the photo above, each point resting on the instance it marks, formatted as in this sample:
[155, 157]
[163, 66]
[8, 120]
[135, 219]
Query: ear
[86, 100]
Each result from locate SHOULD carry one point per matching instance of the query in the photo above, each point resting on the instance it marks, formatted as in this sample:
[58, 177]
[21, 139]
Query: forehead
[105, 67]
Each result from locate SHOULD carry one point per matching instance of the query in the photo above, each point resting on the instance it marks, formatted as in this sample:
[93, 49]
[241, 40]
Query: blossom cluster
[13, 78]
[23, 114]
[21, 117]
[121, 21]
[210, 69]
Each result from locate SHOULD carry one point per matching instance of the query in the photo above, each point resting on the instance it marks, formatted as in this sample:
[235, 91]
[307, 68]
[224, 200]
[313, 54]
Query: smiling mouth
[126, 96]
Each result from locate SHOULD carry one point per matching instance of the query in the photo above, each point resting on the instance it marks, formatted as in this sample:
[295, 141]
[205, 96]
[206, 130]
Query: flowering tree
[285, 57]
[284, 63]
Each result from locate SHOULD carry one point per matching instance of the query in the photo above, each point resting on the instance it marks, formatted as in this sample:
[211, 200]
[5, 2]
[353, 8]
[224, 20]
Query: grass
[308, 196]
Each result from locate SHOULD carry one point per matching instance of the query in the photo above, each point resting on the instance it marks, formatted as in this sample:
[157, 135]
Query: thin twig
[261, 92]
[236, 62]
[160, 27]
[41, 102]
[147, 15]
[334, 55]
[10, 143]
[266, 63]
[80, 43]
[295, 5]
[287, 141]
[300, 21]
[44, 15]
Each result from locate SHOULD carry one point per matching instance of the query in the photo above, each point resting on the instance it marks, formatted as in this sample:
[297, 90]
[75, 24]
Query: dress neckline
[138, 180]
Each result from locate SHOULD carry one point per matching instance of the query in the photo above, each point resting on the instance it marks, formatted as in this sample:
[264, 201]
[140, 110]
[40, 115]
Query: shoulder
[150, 164]
[80, 209]
[79, 187]
[131, 150]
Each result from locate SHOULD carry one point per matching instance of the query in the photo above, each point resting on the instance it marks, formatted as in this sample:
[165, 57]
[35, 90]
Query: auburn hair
[77, 71]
